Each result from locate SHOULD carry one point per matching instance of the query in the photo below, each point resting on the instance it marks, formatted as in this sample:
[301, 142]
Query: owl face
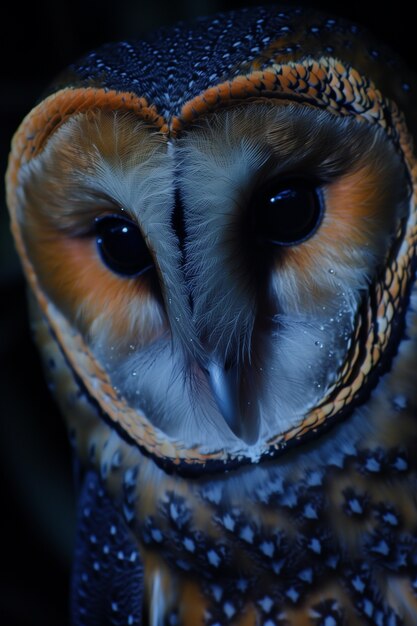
[219, 276]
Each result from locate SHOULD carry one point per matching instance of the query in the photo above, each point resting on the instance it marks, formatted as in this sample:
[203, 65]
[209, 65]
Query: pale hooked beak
[224, 384]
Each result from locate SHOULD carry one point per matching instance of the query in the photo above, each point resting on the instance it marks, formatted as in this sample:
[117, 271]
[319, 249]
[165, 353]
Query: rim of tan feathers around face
[386, 300]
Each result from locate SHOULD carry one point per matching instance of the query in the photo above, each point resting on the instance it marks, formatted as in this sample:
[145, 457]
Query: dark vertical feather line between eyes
[178, 224]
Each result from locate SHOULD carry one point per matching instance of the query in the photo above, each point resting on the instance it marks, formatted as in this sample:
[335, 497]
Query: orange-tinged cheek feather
[358, 206]
[74, 276]
[355, 215]
[349, 245]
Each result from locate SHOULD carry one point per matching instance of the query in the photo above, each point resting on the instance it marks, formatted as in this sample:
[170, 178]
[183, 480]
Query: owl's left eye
[287, 213]
[121, 245]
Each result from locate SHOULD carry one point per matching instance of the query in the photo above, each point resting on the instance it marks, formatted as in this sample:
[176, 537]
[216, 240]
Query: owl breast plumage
[218, 228]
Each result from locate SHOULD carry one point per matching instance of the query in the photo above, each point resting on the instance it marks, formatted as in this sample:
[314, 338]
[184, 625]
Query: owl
[218, 229]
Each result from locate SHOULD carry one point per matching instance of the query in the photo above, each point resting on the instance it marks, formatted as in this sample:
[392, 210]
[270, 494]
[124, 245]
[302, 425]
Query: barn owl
[218, 229]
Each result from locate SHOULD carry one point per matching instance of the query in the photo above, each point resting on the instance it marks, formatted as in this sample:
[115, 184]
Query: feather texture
[243, 407]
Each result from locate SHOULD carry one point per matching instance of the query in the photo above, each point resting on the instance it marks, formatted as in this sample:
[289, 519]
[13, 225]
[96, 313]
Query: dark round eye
[121, 246]
[286, 213]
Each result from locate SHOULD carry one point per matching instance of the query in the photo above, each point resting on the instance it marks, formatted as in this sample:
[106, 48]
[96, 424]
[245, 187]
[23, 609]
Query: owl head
[218, 226]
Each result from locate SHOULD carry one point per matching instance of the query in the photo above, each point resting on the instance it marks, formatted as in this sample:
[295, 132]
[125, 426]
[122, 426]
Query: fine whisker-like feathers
[263, 320]
[218, 228]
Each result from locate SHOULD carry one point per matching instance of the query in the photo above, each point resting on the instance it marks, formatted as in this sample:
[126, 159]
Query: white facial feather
[287, 331]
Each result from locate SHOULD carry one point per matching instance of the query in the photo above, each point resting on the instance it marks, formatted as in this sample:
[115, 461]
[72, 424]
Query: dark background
[37, 504]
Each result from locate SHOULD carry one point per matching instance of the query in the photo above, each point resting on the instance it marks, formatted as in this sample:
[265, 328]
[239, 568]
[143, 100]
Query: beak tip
[224, 384]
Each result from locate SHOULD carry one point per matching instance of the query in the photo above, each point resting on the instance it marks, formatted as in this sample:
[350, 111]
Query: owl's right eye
[121, 246]
[287, 213]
